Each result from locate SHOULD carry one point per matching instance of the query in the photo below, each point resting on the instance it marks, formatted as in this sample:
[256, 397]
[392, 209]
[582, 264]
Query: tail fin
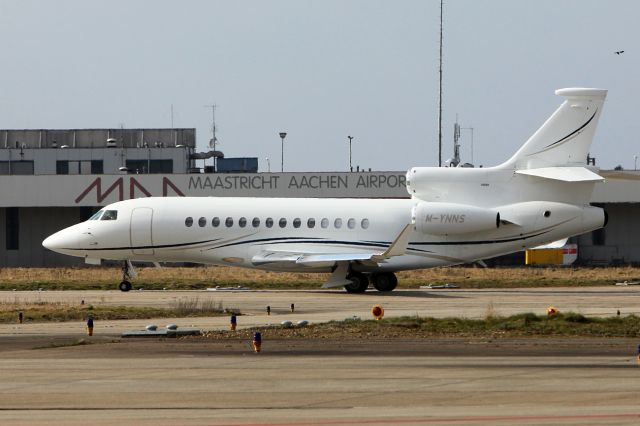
[565, 138]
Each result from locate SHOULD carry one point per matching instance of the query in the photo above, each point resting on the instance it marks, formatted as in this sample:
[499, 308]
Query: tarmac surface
[47, 377]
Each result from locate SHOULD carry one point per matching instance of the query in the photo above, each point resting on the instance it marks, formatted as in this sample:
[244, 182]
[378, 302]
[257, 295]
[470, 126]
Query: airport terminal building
[51, 179]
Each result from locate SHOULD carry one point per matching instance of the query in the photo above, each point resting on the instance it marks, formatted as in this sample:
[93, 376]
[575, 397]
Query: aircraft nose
[55, 242]
[69, 240]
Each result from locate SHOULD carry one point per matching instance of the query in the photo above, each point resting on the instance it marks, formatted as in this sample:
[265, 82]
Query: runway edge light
[90, 326]
[234, 323]
[257, 342]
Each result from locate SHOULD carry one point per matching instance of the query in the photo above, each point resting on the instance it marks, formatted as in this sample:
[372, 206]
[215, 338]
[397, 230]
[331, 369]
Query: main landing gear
[125, 285]
[383, 281]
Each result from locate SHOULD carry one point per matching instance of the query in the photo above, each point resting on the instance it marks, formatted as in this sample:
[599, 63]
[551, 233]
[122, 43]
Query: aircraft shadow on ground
[417, 294]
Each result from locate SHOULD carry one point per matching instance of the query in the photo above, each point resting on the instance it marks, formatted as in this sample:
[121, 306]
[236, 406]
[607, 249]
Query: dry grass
[67, 311]
[210, 276]
[521, 325]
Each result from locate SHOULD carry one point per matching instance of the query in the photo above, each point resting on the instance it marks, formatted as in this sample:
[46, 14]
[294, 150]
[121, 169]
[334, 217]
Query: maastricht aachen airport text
[302, 181]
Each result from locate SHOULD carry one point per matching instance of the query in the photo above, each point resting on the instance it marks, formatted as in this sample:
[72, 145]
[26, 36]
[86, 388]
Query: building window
[202, 222]
[16, 167]
[215, 222]
[97, 167]
[65, 167]
[188, 222]
[269, 222]
[150, 166]
[242, 222]
[12, 230]
[283, 222]
[255, 222]
[311, 223]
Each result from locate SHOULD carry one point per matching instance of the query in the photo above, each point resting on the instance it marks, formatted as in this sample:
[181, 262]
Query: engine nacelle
[453, 219]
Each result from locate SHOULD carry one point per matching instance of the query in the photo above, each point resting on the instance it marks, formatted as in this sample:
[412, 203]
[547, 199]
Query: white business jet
[454, 216]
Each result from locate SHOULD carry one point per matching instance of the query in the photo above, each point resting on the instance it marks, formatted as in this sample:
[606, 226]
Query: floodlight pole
[282, 136]
[350, 139]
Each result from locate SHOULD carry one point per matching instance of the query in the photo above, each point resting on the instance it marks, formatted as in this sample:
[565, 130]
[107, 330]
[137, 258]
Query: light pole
[350, 139]
[282, 136]
[268, 164]
[635, 162]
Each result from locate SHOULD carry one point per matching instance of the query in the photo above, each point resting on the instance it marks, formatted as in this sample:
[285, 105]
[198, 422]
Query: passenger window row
[282, 222]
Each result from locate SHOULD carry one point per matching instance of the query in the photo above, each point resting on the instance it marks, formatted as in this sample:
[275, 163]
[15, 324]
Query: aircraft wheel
[385, 281]
[359, 283]
[125, 285]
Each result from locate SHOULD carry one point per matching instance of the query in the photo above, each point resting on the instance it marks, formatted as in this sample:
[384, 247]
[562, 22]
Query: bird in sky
[619, 52]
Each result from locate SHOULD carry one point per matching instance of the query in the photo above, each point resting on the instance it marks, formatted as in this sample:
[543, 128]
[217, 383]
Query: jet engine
[453, 219]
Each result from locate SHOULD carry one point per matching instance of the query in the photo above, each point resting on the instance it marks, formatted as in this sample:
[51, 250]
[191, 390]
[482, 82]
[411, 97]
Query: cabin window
[242, 222]
[255, 222]
[269, 222]
[364, 224]
[110, 215]
[351, 223]
[296, 222]
[215, 222]
[188, 222]
[228, 222]
[202, 222]
[337, 223]
[324, 222]
[311, 223]
[283, 222]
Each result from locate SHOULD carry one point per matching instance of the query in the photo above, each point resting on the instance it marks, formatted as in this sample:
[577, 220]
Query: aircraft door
[140, 230]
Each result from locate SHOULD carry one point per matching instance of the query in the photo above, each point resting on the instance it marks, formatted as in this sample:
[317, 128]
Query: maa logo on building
[135, 188]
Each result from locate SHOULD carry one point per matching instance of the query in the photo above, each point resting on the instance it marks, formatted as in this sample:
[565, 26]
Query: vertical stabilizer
[565, 138]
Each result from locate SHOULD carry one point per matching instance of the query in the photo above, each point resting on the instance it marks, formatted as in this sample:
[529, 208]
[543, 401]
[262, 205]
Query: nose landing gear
[128, 272]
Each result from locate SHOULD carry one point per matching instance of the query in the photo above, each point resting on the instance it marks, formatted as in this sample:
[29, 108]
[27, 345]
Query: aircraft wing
[309, 259]
[338, 260]
[397, 248]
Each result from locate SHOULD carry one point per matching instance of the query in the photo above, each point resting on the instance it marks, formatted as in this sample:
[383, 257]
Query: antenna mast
[214, 139]
[440, 95]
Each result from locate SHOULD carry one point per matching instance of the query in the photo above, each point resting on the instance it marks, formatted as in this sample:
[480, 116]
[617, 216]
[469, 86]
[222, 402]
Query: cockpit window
[97, 215]
[110, 215]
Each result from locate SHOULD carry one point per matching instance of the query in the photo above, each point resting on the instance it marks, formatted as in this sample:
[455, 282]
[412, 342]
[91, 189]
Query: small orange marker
[378, 312]
[551, 311]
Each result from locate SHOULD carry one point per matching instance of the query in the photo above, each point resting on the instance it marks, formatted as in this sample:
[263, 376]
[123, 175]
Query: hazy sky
[323, 70]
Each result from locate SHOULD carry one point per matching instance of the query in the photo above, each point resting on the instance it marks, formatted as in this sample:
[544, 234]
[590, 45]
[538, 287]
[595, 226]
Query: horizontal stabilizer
[565, 174]
[553, 245]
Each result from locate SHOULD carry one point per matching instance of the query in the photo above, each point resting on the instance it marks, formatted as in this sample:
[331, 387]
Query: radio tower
[440, 95]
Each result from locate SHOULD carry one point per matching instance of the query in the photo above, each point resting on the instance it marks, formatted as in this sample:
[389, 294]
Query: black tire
[359, 283]
[125, 286]
[385, 281]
